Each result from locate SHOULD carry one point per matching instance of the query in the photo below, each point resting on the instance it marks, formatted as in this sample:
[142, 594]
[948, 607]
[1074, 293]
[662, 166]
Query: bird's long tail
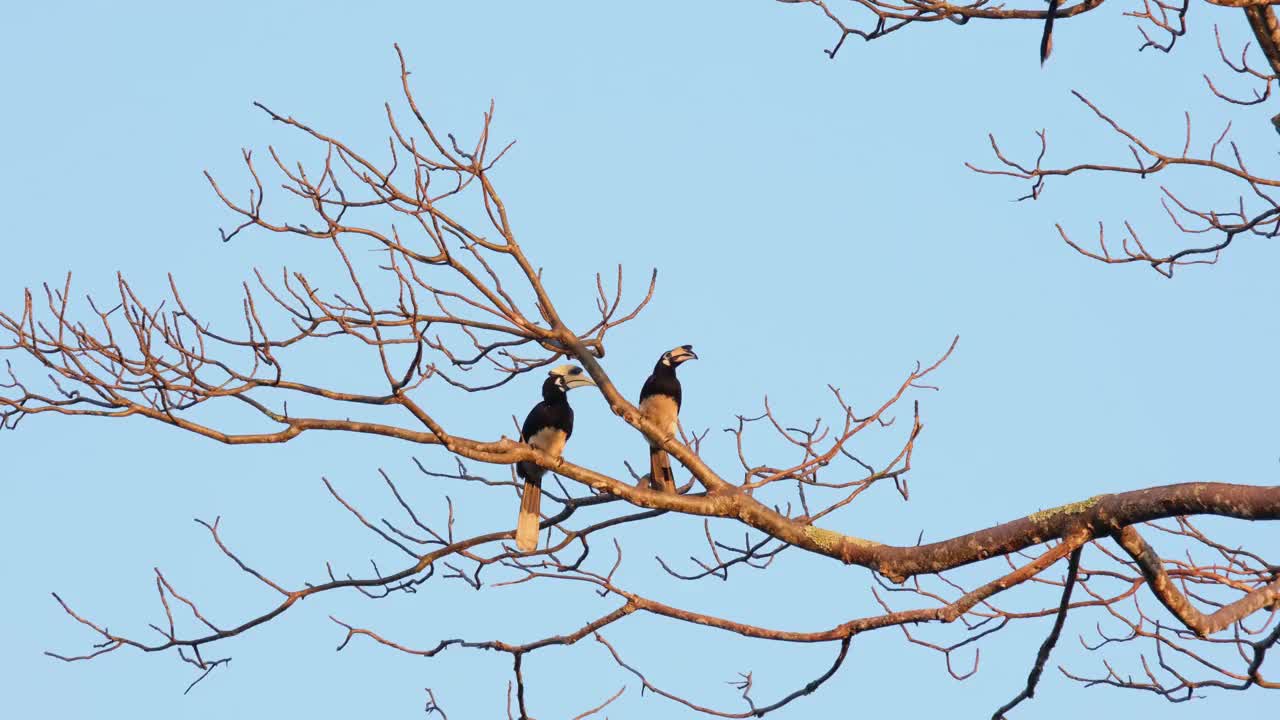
[1046, 39]
[660, 476]
[527, 524]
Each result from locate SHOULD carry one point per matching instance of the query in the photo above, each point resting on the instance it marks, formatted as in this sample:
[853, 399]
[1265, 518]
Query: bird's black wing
[662, 384]
[544, 415]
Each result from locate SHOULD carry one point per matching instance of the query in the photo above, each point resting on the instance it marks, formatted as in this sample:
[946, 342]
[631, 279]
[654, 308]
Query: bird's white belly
[549, 440]
[662, 411]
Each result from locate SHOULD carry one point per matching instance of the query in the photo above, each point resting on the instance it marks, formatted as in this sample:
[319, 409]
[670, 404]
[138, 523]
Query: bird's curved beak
[578, 381]
[683, 353]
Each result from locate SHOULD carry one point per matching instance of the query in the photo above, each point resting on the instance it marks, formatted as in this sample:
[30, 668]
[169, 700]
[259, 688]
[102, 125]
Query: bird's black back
[553, 411]
[662, 381]
[547, 414]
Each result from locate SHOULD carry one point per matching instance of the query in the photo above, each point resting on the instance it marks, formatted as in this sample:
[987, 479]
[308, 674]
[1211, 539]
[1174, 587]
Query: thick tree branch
[1162, 586]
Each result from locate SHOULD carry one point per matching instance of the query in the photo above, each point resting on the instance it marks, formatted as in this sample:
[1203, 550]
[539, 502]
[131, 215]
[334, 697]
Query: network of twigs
[453, 299]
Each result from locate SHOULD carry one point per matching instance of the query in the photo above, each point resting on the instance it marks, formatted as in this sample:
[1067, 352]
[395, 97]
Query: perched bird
[660, 403]
[547, 428]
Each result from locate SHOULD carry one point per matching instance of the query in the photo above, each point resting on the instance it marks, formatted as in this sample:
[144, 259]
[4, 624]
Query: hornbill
[660, 403]
[547, 428]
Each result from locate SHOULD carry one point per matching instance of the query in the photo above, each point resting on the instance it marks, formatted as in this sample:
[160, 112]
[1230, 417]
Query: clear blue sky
[812, 222]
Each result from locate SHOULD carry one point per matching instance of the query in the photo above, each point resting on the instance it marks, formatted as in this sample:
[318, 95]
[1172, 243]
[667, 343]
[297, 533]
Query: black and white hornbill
[547, 428]
[660, 403]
